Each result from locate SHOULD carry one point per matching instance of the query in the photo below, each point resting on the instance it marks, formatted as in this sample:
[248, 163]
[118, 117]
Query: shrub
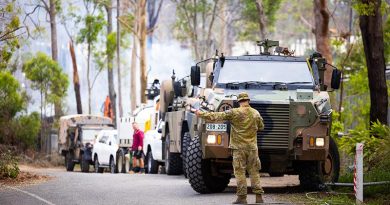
[8, 165]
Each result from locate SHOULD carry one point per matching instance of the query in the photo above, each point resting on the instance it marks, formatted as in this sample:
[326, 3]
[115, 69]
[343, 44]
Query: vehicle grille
[276, 126]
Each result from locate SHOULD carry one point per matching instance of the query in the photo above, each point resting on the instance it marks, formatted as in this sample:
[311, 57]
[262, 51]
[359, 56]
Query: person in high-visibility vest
[108, 108]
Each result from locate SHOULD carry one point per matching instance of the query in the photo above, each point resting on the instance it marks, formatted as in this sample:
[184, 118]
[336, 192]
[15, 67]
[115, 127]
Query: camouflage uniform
[245, 122]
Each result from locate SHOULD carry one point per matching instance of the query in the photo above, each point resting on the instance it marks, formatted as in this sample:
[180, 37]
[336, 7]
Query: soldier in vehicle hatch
[245, 123]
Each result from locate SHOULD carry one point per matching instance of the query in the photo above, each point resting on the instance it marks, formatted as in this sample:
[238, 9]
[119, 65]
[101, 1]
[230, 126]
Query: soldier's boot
[259, 198]
[241, 199]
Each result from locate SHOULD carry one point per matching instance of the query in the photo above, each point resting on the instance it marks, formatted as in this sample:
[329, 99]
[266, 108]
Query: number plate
[216, 127]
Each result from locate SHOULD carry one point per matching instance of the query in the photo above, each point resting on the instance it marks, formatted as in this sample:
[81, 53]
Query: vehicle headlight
[320, 142]
[211, 139]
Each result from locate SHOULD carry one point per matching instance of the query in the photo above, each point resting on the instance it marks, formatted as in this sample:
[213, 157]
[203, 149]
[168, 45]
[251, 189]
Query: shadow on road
[270, 190]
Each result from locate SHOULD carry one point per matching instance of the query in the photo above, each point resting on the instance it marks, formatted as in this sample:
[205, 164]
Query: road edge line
[30, 194]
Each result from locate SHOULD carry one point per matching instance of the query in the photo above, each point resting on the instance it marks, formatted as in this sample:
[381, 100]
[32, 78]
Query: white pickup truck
[153, 149]
[105, 151]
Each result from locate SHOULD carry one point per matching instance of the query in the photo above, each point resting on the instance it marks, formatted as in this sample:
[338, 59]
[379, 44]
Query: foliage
[46, 76]
[26, 129]
[376, 143]
[9, 32]
[8, 165]
[92, 27]
[12, 99]
[251, 18]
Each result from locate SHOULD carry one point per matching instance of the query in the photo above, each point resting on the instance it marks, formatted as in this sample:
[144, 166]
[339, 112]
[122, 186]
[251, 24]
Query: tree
[110, 49]
[118, 46]
[258, 15]
[16, 128]
[153, 11]
[195, 21]
[70, 16]
[93, 24]
[142, 42]
[321, 32]
[10, 31]
[370, 23]
[46, 76]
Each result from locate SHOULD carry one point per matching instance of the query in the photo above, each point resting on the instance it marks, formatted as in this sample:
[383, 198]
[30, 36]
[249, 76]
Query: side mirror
[211, 77]
[109, 143]
[336, 79]
[195, 75]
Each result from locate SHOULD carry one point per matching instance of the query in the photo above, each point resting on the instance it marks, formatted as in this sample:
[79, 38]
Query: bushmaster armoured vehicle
[291, 96]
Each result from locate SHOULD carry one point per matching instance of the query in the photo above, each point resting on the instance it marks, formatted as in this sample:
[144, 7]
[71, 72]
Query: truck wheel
[152, 165]
[173, 161]
[185, 143]
[112, 166]
[313, 174]
[98, 169]
[120, 162]
[84, 164]
[199, 171]
[69, 162]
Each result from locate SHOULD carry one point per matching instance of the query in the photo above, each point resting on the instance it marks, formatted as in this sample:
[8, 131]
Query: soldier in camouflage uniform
[245, 123]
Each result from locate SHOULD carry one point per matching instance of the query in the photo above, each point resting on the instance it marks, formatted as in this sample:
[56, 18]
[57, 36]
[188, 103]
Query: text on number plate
[216, 127]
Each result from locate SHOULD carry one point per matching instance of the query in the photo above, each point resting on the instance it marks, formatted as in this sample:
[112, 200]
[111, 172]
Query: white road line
[30, 194]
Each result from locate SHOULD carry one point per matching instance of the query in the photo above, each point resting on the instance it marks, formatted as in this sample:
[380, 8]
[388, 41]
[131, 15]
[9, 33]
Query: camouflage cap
[243, 96]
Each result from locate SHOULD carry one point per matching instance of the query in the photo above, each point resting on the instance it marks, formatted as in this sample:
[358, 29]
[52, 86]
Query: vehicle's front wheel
[84, 164]
[112, 165]
[98, 169]
[173, 161]
[313, 174]
[151, 164]
[199, 171]
[69, 161]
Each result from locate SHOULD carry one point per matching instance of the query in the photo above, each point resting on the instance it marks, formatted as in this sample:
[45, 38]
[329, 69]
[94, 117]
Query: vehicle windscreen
[90, 134]
[264, 71]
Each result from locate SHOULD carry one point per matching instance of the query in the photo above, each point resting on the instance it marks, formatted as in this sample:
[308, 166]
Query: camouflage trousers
[247, 160]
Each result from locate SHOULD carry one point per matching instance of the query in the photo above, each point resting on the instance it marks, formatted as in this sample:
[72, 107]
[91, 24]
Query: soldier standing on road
[136, 148]
[245, 123]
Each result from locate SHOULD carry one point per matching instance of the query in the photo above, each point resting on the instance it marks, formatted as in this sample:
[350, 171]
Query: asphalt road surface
[91, 188]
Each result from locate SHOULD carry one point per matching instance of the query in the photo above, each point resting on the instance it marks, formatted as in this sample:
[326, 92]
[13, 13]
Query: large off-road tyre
[313, 175]
[199, 171]
[173, 161]
[166, 96]
[151, 164]
[69, 161]
[120, 162]
[184, 146]
[84, 164]
[98, 169]
[112, 165]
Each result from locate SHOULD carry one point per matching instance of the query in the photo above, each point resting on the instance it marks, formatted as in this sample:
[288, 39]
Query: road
[90, 188]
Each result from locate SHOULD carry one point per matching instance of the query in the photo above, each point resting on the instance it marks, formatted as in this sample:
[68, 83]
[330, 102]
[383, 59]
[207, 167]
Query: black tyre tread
[120, 154]
[185, 143]
[199, 171]
[112, 167]
[153, 169]
[175, 164]
[97, 168]
[69, 162]
[84, 165]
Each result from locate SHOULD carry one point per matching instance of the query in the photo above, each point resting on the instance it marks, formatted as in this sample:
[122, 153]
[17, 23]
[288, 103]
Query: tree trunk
[88, 79]
[110, 72]
[133, 68]
[372, 35]
[54, 48]
[260, 11]
[142, 41]
[76, 81]
[321, 32]
[118, 39]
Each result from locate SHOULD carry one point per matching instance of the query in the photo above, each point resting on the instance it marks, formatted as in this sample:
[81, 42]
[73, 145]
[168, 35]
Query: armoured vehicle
[289, 92]
[77, 135]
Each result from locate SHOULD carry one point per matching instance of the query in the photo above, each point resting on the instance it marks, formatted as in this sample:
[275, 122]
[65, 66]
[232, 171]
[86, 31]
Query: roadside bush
[27, 128]
[8, 165]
